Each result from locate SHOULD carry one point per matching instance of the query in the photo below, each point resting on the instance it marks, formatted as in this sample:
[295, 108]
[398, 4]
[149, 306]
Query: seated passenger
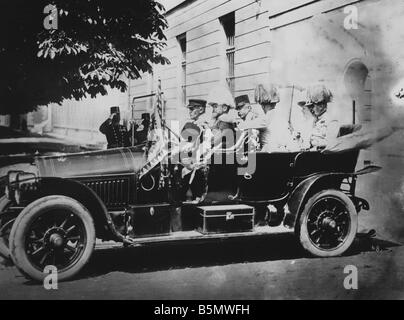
[303, 123]
[197, 112]
[326, 127]
[274, 131]
[223, 117]
[248, 119]
[193, 135]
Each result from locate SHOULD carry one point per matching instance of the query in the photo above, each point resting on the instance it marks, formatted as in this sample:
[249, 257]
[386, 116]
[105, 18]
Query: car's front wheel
[52, 231]
[7, 218]
[328, 224]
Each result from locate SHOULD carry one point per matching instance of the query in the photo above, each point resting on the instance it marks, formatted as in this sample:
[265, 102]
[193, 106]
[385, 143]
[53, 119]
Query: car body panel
[113, 162]
[112, 177]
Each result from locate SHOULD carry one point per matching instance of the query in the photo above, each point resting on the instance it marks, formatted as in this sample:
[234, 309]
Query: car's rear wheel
[52, 231]
[7, 218]
[328, 224]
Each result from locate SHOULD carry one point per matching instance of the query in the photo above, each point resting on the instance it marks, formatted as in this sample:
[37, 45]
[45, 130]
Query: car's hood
[88, 164]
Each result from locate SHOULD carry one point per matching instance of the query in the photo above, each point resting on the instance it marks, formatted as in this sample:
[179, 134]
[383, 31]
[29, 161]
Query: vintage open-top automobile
[53, 214]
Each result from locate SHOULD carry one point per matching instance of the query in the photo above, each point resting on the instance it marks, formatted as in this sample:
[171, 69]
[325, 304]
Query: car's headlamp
[25, 177]
[18, 182]
[11, 184]
[12, 176]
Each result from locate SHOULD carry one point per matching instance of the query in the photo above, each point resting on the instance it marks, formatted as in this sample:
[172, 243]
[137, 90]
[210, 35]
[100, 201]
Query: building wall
[309, 43]
[206, 52]
[80, 120]
[292, 43]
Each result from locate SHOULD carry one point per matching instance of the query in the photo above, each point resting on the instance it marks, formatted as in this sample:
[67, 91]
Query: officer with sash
[193, 138]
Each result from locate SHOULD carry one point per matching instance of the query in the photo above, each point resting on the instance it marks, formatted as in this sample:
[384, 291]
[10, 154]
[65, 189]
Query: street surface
[271, 267]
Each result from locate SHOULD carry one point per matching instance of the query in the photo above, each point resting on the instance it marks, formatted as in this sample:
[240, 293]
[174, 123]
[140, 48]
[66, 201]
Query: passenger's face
[218, 110]
[319, 108]
[195, 112]
[307, 111]
[244, 110]
[116, 119]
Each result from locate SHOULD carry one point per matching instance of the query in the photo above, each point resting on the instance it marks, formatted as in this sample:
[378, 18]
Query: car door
[269, 178]
[222, 178]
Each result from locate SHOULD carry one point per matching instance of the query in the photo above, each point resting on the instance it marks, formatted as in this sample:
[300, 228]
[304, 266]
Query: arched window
[358, 85]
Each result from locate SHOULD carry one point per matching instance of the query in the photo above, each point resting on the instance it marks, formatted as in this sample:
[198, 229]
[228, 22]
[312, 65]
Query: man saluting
[117, 134]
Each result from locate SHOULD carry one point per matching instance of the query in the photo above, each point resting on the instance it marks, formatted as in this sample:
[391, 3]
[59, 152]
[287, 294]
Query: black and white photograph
[221, 150]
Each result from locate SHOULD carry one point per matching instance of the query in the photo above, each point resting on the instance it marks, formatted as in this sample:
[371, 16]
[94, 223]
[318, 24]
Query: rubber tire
[303, 233]
[4, 249]
[33, 211]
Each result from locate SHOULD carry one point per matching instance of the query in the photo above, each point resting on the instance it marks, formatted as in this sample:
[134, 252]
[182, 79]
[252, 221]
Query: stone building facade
[352, 46]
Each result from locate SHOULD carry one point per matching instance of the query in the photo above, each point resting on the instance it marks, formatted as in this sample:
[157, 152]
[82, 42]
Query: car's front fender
[104, 225]
[306, 188]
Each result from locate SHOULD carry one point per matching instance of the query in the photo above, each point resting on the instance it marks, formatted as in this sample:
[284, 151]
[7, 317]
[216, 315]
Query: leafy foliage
[98, 44]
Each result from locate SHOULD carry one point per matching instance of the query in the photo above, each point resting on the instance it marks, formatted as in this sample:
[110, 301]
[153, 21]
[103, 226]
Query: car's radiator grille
[113, 192]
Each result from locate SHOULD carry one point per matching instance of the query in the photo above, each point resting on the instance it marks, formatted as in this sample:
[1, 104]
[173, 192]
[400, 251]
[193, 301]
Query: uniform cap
[241, 101]
[196, 103]
[114, 110]
[145, 116]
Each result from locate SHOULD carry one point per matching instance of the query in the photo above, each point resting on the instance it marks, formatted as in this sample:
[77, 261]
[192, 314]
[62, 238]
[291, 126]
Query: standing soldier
[117, 134]
[140, 130]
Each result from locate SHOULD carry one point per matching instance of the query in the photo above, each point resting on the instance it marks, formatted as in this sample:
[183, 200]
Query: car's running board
[196, 236]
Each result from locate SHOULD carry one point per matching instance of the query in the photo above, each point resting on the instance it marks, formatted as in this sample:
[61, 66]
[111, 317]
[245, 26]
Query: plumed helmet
[221, 95]
[318, 94]
[266, 94]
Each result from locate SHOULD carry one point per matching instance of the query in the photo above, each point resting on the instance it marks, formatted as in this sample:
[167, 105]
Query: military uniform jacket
[117, 136]
[325, 129]
[200, 140]
[221, 128]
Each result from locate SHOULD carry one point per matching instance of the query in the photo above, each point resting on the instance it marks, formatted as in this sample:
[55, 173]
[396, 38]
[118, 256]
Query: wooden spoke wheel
[52, 231]
[328, 224]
